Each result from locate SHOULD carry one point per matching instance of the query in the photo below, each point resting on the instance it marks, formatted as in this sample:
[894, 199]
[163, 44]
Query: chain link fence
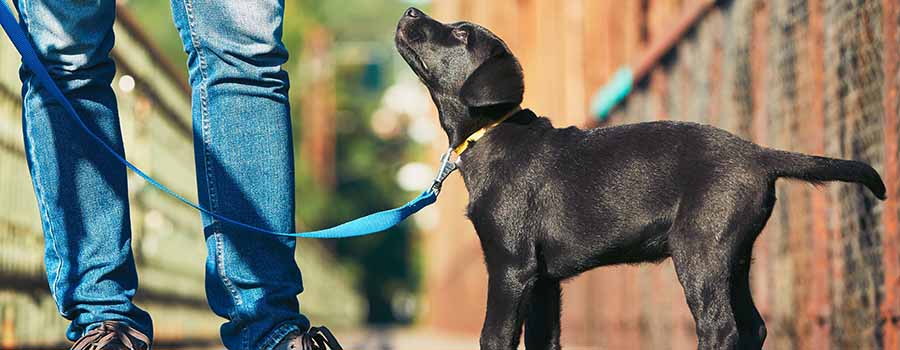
[812, 76]
[806, 76]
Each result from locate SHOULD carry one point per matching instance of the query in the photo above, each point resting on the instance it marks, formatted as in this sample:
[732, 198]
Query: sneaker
[316, 338]
[112, 335]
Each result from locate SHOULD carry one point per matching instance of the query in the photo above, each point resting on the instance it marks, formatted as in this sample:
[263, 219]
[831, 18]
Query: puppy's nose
[413, 12]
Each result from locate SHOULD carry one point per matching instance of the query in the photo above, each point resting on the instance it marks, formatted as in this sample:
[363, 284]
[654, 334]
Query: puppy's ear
[497, 81]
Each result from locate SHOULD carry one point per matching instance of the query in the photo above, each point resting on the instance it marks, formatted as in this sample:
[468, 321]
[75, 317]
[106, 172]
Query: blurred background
[816, 76]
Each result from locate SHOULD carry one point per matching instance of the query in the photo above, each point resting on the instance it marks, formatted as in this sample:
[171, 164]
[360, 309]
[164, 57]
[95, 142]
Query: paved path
[400, 339]
[386, 339]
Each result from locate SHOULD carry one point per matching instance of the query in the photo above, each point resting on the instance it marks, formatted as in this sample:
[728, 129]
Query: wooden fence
[815, 76]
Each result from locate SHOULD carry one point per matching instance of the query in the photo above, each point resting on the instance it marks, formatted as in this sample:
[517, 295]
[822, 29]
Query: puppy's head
[471, 74]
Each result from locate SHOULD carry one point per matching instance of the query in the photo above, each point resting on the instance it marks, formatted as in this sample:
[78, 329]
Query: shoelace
[317, 338]
[110, 332]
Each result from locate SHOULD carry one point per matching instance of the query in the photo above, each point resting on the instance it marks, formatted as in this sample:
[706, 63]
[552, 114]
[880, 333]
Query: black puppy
[551, 203]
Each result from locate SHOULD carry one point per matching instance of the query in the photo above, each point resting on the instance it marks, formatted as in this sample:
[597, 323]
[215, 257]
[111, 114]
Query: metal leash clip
[447, 167]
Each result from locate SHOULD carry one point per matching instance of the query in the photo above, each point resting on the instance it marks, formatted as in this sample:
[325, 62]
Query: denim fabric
[245, 169]
[81, 190]
[243, 151]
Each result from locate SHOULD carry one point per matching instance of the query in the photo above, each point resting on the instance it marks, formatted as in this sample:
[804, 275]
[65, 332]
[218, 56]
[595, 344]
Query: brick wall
[816, 76]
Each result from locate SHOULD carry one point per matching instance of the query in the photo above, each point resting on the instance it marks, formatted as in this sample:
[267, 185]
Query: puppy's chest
[504, 215]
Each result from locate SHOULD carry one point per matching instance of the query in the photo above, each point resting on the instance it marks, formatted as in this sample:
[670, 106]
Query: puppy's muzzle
[409, 29]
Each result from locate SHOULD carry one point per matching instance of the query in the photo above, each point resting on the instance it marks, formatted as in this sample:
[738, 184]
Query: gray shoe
[112, 335]
[316, 338]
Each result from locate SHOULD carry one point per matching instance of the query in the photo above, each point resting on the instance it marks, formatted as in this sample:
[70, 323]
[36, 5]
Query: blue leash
[366, 225]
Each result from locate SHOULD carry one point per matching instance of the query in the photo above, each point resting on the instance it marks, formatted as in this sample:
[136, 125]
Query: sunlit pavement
[419, 339]
[401, 339]
[406, 338]
[387, 339]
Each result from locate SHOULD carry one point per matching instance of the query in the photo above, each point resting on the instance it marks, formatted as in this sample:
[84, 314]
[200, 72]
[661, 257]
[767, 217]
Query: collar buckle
[447, 167]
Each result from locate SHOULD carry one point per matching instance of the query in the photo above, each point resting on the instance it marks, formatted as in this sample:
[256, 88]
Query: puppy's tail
[820, 169]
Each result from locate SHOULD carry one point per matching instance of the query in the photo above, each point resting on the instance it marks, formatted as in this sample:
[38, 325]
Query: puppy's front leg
[508, 289]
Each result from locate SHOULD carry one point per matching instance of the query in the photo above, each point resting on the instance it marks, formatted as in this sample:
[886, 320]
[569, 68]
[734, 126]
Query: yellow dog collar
[480, 133]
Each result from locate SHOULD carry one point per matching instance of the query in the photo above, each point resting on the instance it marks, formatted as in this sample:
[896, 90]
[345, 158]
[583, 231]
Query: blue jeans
[243, 154]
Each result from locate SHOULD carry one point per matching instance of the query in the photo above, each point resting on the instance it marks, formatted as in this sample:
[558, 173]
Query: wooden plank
[760, 274]
[594, 47]
[528, 50]
[818, 304]
[890, 308]
[574, 99]
[548, 60]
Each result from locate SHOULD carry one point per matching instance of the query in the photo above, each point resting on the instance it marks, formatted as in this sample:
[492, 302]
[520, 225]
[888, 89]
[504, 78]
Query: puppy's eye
[461, 35]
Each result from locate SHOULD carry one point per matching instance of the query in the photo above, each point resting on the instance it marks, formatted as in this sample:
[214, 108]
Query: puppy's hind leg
[705, 277]
[706, 243]
[542, 322]
[750, 323]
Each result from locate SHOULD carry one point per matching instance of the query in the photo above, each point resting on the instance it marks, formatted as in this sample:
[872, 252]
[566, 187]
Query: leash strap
[366, 225]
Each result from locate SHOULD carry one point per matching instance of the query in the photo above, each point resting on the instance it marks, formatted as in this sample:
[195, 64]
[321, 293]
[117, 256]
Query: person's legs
[81, 190]
[245, 169]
